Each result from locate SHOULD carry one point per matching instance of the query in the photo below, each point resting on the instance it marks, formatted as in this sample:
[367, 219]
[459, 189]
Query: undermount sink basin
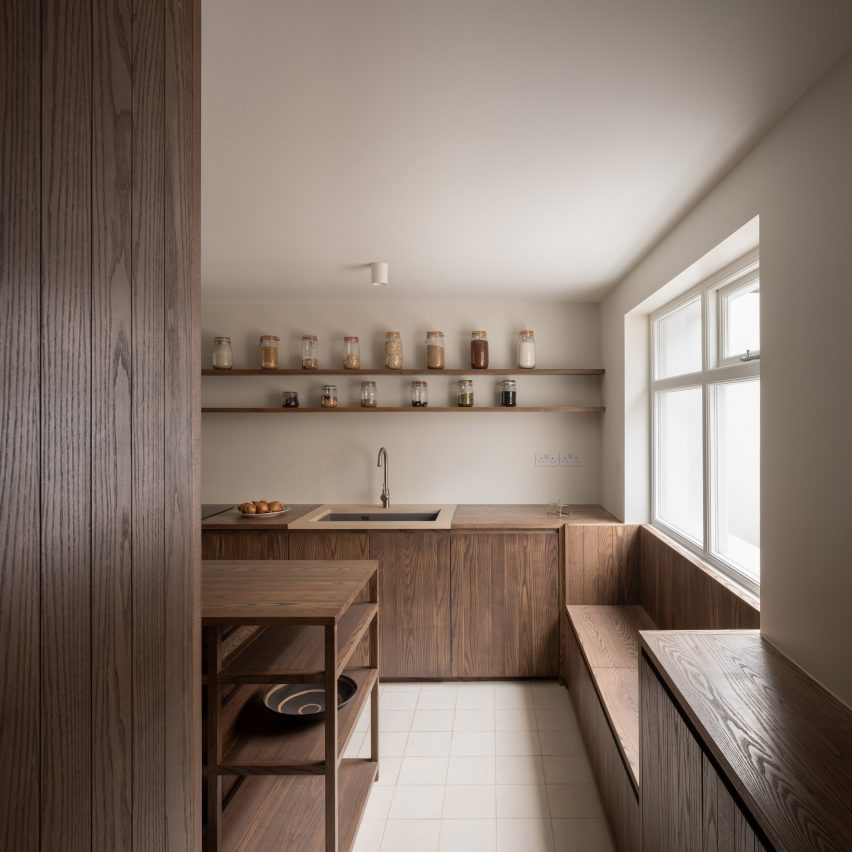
[381, 517]
[363, 516]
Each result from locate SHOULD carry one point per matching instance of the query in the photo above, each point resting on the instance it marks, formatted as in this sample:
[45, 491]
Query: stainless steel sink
[385, 517]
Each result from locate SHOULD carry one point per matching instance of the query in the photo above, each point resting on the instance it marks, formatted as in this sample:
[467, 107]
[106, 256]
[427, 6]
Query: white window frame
[714, 370]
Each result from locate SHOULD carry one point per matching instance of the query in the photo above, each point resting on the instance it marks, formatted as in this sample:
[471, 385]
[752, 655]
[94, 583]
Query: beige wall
[798, 179]
[467, 457]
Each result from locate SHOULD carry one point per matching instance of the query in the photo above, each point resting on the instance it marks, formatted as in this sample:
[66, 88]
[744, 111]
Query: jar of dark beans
[290, 399]
[419, 394]
[508, 393]
[479, 350]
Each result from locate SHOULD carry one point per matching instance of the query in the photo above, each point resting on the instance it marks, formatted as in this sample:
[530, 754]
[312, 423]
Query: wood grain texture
[561, 409]
[671, 772]
[248, 544]
[724, 826]
[523, 516]
[602, 563]
[112, 472]
[233, 520]
[493, 371]
[620, 799]
[20, 420]
[66, 452]
[414, 602]
[780, 740]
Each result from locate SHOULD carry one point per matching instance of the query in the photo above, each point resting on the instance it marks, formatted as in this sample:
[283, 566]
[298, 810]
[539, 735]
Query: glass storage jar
[351, 353]
[393, 351]
[269, 352]
[328, 396]
[223, 355]
[508, 393]
[419, 394]
[369, 397]
[526, 350]
[310, 361]
[479, 350]
[290, 399]
[465, 396]
[435, 350]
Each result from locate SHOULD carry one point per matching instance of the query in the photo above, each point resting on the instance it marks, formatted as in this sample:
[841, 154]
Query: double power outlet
[557, 460]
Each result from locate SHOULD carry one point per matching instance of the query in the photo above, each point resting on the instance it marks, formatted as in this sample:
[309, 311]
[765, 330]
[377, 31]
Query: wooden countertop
[518, 516]
[280, 593]
[782, 741]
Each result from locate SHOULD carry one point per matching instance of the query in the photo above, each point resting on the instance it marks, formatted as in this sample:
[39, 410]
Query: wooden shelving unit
[557, 409]
[270, 785]
[491, 371]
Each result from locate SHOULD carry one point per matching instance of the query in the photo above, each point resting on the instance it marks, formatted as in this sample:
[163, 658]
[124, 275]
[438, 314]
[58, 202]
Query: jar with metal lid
[526, 349]
[419, 394]
[223, 355]
[369, 397]
[269, 352]
[479, 350]
[290, 399]
[508, 393]
[393, 351]
[310, 361]
[435, 350]
[351, 353]
[465, 395]
[328, 396]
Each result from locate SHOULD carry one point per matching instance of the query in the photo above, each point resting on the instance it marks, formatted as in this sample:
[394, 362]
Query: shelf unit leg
[331, 758]
[374, 663]
[213, 781]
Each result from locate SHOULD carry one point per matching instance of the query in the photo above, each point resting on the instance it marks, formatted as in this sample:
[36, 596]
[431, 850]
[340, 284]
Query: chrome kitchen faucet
[383, 462]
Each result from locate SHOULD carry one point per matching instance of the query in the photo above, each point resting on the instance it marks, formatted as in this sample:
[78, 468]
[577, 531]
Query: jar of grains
[269, 352]
[223, 355]
[369, 398]
[479, 350]
[435, 350]
[526, 349]
[310, 361]
[351, 353]
[328, 396]
[465, 397]
[393, 351]
[508, 393]
[419, 394]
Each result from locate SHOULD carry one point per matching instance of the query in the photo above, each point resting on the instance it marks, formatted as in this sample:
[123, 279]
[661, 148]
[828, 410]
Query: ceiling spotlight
[378, 274]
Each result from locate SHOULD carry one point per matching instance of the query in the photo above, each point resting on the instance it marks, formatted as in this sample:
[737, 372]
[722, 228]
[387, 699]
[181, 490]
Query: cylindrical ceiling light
[378, 274]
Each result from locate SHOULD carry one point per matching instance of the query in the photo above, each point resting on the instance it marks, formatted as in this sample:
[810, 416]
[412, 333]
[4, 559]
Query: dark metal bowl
[306, 701]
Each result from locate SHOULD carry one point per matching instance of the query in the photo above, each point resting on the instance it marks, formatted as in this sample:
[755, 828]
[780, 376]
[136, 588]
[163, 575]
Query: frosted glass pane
[680, 462]
[742, 328]
[679, 341]
[736, 503]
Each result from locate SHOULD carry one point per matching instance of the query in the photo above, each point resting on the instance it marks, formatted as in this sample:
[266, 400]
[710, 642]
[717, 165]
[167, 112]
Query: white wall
[798, 179]
[464, 457]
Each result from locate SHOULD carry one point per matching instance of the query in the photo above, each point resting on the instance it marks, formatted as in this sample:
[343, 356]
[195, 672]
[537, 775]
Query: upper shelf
[492, 371]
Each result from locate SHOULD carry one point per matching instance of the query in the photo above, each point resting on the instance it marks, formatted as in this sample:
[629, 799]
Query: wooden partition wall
[99, 245]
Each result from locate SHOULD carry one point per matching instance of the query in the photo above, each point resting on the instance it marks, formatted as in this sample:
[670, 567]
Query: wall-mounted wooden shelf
[495, 371]
[550, 409]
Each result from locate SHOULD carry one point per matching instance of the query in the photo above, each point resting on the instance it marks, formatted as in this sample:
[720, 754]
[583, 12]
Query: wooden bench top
[608, 637]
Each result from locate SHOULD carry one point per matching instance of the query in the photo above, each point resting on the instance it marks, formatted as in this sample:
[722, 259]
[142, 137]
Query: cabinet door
[505, 606]
[243, 544]
[414, 603]
[724, 826]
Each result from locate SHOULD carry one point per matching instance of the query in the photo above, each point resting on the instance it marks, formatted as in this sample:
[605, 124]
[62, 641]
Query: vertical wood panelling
[112, 694]
[66, 309]
[476, 648]
[20, 427]
[602, 564]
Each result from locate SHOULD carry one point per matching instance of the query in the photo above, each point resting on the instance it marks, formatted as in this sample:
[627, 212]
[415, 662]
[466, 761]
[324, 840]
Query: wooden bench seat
[608, 639]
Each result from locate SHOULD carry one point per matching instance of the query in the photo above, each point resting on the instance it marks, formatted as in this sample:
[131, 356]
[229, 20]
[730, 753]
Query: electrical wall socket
[569, 460]
[546, 460]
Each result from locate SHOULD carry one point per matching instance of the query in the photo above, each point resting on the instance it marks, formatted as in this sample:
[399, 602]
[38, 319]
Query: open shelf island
[270, 785]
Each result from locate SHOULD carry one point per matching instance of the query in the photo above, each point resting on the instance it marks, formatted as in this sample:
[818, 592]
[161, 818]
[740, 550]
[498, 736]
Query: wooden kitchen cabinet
[245, 544]
[505, 608]
[414, 596]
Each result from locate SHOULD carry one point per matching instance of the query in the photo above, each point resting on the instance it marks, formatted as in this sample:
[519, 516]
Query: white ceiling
[487, 149]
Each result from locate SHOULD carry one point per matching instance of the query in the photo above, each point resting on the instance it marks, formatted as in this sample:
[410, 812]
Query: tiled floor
[479, 767]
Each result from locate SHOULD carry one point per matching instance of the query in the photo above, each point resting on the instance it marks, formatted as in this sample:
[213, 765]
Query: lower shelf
[261, 813]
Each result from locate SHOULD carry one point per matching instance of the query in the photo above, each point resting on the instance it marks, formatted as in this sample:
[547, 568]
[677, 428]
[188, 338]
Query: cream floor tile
[524, 835]
[475, 699]
[518, 719]
[432, 720]
[379, 802]
[428, 744]
[392, 721]
[401, 686]
[437, 699]
[389, 770]
[398, 699]
[353, 749]
[391, 744]
[423, 770]
[562, 719]
[470, 802]
[518, 742]
[519, 769]
[522, 801]
[568, 801]
[423, 802]
[363, 722]
[472, 744]
[470, 770]
[369, 838]
[411, 835]
[473, 720]
[551, 697]
[582, 835]
[561, 742]
[567, 769]
[468, 835]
